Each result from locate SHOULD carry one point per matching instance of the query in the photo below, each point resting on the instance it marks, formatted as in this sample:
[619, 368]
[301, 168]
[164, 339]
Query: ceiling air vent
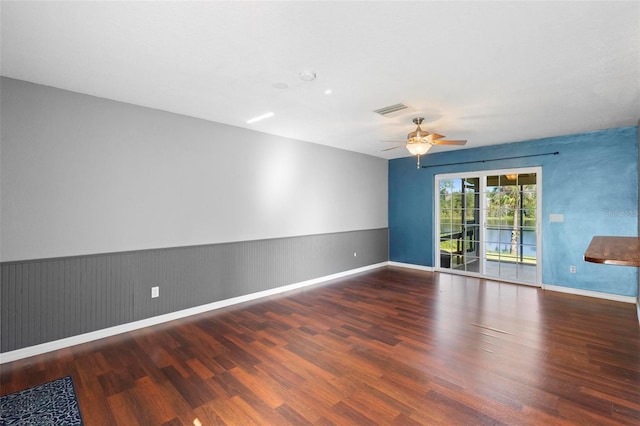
[393, 111]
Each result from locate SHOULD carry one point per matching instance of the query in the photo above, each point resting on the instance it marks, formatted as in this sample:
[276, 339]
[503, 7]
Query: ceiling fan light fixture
[418, 148]
[419, 142]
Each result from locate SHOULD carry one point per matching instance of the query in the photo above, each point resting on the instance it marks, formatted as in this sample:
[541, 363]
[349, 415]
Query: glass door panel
[449, 220]
[488, 224]
[511, 227]
[459, 226]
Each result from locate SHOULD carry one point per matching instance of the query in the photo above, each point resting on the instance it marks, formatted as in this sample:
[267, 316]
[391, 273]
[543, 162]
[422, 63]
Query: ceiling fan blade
[423, 137]
[452, 142]
[395, 147]
[397, 141]
[434, 136]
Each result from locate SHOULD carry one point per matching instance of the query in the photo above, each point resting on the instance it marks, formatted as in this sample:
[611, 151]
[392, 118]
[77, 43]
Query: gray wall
[103, 200]
[84, 175]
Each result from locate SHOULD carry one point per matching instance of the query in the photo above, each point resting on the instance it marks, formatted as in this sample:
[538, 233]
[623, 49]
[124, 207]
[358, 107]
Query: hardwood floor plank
[123, 409]
[280, 374]
[96, 408]
[162, 398]
[220, 409]
[265, 388]
[382, 395]
[341, 414]
[191, 389]
[292, 416]
[310, 407]
[619, 401]
[390, 346]
[116, 381]
[366, 404]
[260, 412]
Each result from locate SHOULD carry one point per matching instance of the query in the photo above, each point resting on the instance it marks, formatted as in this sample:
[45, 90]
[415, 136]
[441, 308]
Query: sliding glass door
[488, 224]
[459, 223]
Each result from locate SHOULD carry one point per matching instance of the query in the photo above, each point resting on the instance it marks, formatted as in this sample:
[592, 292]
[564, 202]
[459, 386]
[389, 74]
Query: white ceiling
[489, 72]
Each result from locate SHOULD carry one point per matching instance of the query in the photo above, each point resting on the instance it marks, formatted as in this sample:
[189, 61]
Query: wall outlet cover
[556, 217]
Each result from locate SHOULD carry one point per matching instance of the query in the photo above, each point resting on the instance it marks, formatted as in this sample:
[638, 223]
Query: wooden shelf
[623, 251]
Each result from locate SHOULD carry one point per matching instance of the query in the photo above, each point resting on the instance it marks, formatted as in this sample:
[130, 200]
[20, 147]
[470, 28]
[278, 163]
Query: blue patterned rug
[52, 403]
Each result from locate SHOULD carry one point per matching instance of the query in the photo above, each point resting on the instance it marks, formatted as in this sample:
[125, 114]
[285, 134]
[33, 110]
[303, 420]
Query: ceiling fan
[419, 142]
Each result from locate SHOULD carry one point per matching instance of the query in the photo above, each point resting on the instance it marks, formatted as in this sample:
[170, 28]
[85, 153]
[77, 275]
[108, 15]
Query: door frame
[482, 174]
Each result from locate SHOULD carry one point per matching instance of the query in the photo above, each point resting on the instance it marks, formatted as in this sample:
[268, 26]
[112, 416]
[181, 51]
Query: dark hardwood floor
[392, 346]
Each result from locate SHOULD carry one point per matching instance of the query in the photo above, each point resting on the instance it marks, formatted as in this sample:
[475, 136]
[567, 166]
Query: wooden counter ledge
[623, 251]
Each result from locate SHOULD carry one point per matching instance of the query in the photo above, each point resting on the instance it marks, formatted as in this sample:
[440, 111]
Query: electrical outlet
[572, 269]
[155, 292]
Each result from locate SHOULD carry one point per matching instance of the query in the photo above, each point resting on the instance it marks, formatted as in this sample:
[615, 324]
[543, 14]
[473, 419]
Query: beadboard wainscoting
[44, 300]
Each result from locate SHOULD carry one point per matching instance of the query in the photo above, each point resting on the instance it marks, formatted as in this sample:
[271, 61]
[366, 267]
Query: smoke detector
[307, 76]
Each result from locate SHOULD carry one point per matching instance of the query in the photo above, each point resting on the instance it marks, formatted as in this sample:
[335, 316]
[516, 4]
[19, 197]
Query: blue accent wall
[593, 182]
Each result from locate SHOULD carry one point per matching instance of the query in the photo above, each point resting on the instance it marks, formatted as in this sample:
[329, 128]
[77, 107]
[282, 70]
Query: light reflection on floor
[500, 322]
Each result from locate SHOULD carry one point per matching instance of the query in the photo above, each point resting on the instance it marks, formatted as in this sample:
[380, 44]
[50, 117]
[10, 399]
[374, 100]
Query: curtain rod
[494, 159]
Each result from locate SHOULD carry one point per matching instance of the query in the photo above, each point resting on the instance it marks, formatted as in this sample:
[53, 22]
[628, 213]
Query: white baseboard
[589, 293]
[123, 328]
[549, 287]
[411, 266]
